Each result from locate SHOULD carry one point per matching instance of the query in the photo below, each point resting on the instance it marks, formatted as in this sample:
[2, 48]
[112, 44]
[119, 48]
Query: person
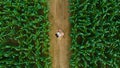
[59, 34]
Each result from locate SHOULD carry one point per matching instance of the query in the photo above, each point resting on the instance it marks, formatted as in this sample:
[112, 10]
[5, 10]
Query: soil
[59, 48]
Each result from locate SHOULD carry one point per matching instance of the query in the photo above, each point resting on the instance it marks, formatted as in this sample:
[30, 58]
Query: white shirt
[59, 34]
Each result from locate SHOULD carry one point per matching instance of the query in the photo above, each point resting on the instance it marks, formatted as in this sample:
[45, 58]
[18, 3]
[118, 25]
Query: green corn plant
[24, 40]
[95, 33]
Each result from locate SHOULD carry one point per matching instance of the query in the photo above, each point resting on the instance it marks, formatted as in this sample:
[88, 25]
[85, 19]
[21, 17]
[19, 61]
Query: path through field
[59, 20]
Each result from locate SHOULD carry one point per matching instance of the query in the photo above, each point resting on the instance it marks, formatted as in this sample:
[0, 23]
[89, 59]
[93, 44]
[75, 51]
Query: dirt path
[59, 20]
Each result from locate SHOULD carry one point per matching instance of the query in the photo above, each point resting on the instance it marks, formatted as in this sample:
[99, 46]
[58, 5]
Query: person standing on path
[59, 34]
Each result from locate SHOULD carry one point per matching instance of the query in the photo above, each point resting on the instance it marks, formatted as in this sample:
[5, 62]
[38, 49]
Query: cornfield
[95, 33]
[24, 40]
